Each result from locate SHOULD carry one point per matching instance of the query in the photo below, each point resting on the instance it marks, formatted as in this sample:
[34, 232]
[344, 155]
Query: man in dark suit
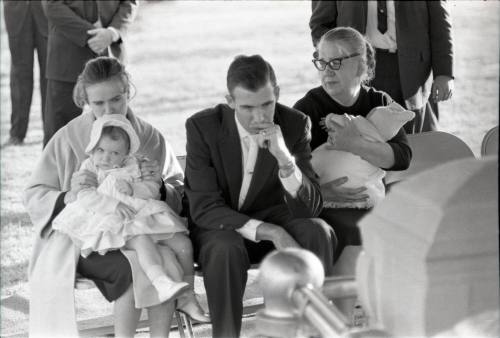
[26, 26]
[79, 31]
[413, 44]
[250, 187]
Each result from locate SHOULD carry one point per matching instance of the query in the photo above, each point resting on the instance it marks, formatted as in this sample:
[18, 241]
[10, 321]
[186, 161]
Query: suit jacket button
[221, 226]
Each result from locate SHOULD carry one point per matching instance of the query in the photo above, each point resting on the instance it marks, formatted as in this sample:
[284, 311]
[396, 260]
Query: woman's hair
[250, 72]
[116, 134]
[354, 42]
[98, 70]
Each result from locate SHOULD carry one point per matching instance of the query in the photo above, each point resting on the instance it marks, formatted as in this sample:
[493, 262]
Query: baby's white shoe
[168, 289]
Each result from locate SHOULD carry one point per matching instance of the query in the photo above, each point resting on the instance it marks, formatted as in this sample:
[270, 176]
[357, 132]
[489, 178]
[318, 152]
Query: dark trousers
[60, 107]
[22, 47]
[111, 272]
[225, 257]
[344, 222]
[387, 79]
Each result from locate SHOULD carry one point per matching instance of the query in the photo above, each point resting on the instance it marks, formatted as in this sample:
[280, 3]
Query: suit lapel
[230, 154]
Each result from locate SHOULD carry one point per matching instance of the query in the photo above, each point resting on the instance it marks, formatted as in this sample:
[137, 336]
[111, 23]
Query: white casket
[430, 254]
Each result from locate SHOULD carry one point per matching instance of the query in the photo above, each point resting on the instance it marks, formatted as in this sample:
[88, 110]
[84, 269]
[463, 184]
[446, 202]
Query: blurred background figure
[26, 26]
[414, 35]
[79, 31]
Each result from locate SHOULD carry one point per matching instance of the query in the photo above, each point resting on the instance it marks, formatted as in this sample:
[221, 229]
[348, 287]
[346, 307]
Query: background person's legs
[21, 47]
[60, 108]
[41, 51]
[387, 79]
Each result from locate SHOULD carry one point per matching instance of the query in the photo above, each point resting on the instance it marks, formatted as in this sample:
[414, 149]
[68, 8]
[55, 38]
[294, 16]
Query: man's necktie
[382, 16]
[253, 149]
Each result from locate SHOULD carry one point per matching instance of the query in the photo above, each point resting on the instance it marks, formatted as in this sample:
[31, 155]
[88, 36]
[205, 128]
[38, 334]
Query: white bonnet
[116, 120]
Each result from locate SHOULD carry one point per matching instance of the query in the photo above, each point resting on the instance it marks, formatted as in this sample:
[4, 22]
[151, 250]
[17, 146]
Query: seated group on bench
[249, 184]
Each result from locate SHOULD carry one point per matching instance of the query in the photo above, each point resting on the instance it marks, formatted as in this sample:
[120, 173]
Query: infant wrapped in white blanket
[381, 124]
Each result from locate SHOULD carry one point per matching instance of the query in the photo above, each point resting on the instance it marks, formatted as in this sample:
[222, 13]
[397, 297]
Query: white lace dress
[93, 224]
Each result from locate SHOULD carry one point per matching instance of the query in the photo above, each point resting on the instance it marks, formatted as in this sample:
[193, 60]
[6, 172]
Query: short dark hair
[250, 72]
[116, 133]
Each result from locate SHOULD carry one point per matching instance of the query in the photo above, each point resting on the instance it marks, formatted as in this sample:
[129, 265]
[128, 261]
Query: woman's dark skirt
[111, 272]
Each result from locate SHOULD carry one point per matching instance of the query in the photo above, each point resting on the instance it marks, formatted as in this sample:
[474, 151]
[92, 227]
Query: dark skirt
[344, 222]
[111, 272]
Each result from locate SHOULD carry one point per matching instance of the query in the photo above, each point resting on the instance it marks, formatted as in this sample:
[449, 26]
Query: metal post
[291, 282]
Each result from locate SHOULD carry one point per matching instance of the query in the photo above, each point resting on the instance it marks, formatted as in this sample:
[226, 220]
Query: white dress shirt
[249, 151]
[373, 35]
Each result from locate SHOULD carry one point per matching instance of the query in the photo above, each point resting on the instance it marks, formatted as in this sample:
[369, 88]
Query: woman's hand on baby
[344, 137]
[125, 211]
[82, 179]
[124, 187]
[334, 192]
[150, 170]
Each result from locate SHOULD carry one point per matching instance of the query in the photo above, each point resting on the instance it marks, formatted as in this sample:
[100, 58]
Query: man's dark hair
[250, 72]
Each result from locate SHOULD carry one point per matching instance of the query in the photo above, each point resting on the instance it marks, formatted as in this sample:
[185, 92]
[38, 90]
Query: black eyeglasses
[333, 64]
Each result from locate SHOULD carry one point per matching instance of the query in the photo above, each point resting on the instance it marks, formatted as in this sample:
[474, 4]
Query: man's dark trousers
[60, 107]
[23, 41]
[225, 258]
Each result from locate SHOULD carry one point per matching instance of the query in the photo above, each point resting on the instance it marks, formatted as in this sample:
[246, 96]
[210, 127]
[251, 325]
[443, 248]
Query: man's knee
[322, 228]
[224, 248]
[315, 228]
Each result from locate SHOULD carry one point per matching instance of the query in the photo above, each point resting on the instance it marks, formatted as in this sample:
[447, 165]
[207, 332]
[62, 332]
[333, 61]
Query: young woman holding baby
[345, 63]
[59, 180]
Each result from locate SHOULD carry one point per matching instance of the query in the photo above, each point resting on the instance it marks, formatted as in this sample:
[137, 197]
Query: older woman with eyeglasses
[346, 62]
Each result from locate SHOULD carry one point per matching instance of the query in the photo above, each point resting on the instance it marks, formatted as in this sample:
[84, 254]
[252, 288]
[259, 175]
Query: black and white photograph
[249, 168]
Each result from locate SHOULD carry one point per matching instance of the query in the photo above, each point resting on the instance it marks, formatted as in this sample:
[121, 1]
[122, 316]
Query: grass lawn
[179, 54]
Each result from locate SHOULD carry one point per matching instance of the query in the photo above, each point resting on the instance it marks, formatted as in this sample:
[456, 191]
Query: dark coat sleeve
[440, 38]
[402, 151]
[207, 206]
[308, 202]
[125, 15]
[71, 25]
[323, 18]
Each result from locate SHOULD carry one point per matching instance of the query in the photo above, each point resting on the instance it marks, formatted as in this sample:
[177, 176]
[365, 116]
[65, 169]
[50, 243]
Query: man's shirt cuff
[293, 182]
[249, 230]
[115, 34]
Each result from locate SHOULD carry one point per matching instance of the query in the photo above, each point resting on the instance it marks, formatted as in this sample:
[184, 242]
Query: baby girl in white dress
[124, 210]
